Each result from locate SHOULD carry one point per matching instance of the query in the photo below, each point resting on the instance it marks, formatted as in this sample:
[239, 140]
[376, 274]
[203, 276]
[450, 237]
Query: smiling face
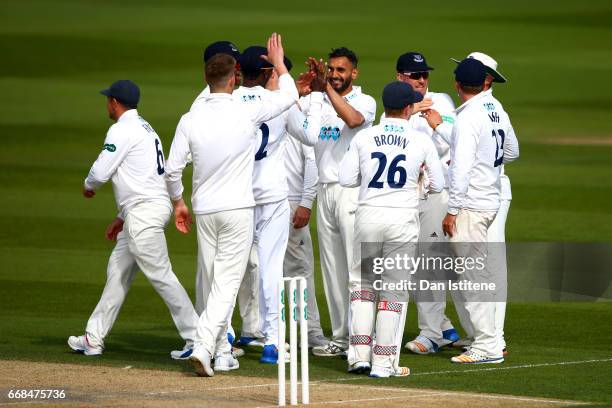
[419, 81]
[341, 74]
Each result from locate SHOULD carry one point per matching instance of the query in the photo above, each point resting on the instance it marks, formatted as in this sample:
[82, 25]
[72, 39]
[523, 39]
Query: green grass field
[57, 55]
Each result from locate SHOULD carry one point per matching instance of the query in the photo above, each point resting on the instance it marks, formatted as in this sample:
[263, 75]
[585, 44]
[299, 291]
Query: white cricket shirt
[220, 132]
[334, 135]
[133, 158]
[302, 173]
[483, 139]
[385, 160]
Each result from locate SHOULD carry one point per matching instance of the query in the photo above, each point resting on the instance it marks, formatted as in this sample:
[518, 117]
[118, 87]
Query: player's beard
[343, 86]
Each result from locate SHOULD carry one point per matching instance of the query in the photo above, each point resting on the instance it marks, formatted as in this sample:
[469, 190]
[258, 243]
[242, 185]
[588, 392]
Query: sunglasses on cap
[417, 75]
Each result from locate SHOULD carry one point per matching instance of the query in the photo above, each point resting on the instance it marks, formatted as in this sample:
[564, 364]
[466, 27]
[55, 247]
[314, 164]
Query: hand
[301, 217]
[182, 217]
[276, 54]
[433, 118]
[448, 225]
[319, 83]
[303, 83]
[88, 193]
[424, 105]
[113, 229]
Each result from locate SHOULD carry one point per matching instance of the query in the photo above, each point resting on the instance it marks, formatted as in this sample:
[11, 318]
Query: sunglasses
[417, 75]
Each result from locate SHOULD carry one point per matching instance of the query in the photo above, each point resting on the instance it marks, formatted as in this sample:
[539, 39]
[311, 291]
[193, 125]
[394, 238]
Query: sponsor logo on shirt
[328, 132]
[110, 147]
[489, 106]
[394, 128]
[448, 119]
[250, 98]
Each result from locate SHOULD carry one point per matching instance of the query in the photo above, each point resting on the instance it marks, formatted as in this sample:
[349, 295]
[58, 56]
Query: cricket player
[436, 122]
[483, 139]
[497, 230]
[220, 134]
[302, 180]
[385, 161]
[270, 190]
[346, 110]
[133, 158]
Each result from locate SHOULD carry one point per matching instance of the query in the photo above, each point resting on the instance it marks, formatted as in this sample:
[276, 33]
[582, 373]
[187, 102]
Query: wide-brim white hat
[489, 63]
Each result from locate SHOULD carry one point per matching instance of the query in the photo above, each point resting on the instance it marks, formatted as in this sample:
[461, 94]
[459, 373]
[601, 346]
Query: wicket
[298, 295]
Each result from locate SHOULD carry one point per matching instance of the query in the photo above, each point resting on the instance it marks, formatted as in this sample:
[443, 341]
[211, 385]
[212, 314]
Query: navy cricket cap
[412, 62]
[398, 95]
[125, 91]
[470, 72]
[251, 61]
[221, 47]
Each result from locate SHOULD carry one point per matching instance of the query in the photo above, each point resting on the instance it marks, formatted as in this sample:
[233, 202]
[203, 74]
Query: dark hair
[471, 89]
[127, 105]
[344, 52]
[219, 69]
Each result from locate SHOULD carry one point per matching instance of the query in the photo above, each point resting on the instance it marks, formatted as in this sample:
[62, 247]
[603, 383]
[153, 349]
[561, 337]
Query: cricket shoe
[183, 354]
[329, 350]
[385, 372]
[471, 357]
[270, 355]
[226, 362]
[80, 344]
[449, 337]
[237, 352]
[244, 341]
[360, 367]
[200, 359]
[422, 345]
[317, 341]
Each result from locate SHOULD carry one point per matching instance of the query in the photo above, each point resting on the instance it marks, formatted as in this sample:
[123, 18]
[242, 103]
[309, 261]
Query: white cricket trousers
[299, 262]
[224, 243]
[431, 315]
[271, 234]
[386, 230]
[142, 245]
[248, 299]
[477, 317]
[497, 233]
[336, 206]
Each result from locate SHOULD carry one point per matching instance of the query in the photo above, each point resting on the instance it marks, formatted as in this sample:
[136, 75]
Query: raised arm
[276, 102]
[351, 116]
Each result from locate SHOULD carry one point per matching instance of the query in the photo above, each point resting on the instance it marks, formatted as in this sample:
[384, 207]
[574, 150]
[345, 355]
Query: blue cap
[125, 91]
[398, 95]
[470, 72]
[412, 62]
[221, 47]
[251, 61]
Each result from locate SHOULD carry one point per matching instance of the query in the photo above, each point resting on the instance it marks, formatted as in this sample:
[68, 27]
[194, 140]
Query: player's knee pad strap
[384, 350]
[360, 340]
[363, 295]
[391, 306]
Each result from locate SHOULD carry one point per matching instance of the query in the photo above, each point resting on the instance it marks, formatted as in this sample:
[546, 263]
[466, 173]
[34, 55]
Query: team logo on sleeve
[328, 132]
[110, 147]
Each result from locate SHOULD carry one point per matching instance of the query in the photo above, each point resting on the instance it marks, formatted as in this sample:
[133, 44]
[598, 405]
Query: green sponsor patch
[448, 119]
[110, 147]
